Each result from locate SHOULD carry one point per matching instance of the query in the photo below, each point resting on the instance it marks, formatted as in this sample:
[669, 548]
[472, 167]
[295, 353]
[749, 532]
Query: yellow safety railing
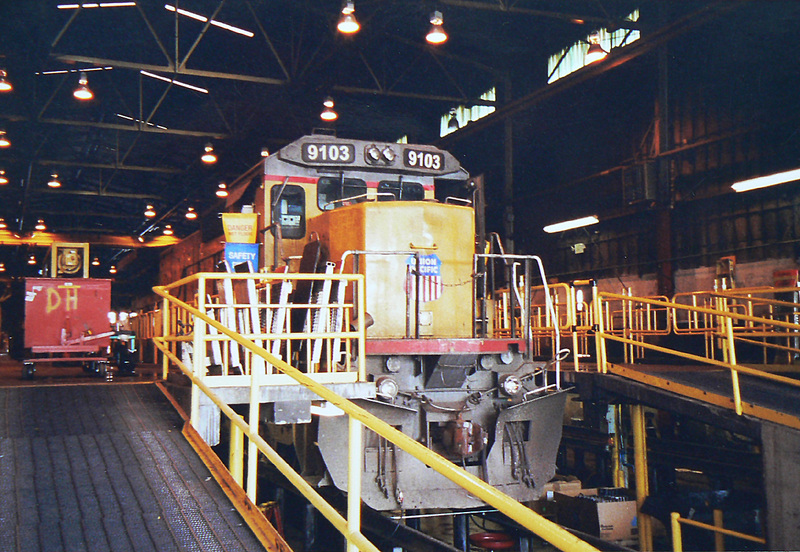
[719, 531]
[725, 333]
[202, 323]
[316, 333]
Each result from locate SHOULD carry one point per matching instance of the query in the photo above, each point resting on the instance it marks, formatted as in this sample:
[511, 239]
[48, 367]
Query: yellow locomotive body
[329, 204]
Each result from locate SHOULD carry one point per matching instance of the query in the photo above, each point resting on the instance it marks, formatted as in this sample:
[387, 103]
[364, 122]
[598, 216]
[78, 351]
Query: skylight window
[573, 58]
[459, 116]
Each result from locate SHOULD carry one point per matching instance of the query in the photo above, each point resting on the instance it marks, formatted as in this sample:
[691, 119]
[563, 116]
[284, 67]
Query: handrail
[677, 539]
[727, 333]
[544, 528]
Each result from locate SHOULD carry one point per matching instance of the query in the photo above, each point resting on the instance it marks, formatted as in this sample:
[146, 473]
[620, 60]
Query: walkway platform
[106, 467]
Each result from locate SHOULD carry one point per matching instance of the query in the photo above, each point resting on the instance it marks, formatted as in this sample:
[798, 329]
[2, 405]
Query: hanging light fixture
[149, 211]
[436, 34]
[222, 190]
[112, 269]
[3, 224]
[2, 267]
[595, 51]
[82, 92]
[3, 177]
[168, 230]
[191, 214]
[95, 262]
[347, 21]
[328, 114]
[5, 84]
[452, 124]
[4, 141]
[264, 152]
[32, 259]
[54, 182]
[40, 225]
[209, 157]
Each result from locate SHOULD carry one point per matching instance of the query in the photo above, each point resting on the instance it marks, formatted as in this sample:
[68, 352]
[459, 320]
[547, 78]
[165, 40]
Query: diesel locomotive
[442, 372]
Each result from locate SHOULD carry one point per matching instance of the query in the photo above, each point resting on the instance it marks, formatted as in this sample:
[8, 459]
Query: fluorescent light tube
[764, 181]
[571, 224]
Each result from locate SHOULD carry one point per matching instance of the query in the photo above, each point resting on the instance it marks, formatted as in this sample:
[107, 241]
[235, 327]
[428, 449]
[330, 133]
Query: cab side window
[403, 191]
[289, 210]
[334, 192]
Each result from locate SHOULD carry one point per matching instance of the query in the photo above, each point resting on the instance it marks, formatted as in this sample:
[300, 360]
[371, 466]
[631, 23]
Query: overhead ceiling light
[32, 259]
[139, 121]
[175, 82]
[3, 224]
[54, 182]
[436, 34]
[82, 92]
[4, 141]
[765, 181]
[95, 262]
[2, 267]
[209, 156]
[222, 190]
[149, 211]
[3, 177]
[5, 85]
[328, 114]
[595, 51]
[204, 19]
[96, 5]
[264, 152]
[168, 230]
[571, 224]
[453, 122]
[347, 21]
[40, 225]
[112, 269]
[191, 214]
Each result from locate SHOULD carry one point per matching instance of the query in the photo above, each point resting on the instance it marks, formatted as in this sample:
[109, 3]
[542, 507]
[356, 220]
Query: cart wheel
[28, 370]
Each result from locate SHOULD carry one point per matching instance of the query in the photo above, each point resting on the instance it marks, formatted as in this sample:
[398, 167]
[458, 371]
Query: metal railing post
[600, 344]
[198, 351]
[236, 454]
[719, 538]
[731, 354]
[354, 459]
[677, 540]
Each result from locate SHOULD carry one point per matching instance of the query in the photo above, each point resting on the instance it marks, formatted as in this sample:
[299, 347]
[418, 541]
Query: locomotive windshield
[405, 191]
[335, 192]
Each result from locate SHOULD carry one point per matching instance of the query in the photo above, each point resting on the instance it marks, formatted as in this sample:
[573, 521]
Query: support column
[508, 180]
[642, 480]
[781, 458]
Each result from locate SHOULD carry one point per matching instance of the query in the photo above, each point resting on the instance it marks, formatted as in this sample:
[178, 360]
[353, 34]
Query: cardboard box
[606, 513]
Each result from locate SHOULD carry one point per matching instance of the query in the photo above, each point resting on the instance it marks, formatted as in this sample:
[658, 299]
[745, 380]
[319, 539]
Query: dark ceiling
[266, 90]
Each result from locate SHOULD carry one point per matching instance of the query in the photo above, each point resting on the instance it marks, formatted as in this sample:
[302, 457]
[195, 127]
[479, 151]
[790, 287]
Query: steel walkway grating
[106, 468]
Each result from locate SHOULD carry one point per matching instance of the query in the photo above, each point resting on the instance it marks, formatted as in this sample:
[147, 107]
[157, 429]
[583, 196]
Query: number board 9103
[313, 152]
[423, 159]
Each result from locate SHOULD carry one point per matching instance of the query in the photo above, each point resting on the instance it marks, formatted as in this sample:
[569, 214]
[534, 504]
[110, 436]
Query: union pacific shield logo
[430, 277]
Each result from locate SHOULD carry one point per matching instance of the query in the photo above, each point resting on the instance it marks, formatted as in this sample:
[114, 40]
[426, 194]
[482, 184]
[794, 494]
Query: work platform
[106, 467]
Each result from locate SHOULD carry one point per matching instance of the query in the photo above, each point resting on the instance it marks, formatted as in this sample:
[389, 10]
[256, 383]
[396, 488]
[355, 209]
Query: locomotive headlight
[387, 387]
[511, 386]
[389, 154]
[372, 154]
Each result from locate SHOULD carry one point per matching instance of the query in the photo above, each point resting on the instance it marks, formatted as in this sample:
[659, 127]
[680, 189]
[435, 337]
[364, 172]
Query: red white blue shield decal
[430, 277]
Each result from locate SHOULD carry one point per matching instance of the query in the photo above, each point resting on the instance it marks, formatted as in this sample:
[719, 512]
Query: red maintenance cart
[66, 321]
